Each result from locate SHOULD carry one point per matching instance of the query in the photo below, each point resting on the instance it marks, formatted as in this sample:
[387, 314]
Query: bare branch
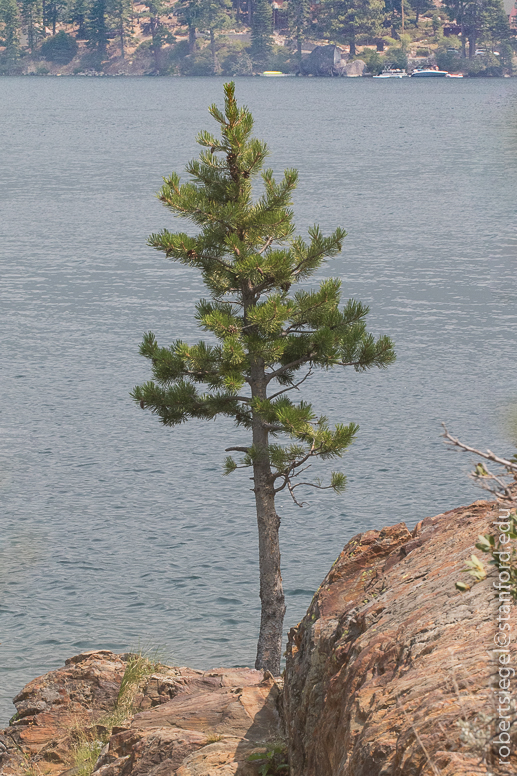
[268, 242]
[237, 450]
[489, 456]
[292, 387]
[291, 489]
[271, 375]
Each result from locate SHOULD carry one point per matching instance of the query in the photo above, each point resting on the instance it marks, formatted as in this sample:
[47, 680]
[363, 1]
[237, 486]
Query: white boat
[429, 73]
[392, 73]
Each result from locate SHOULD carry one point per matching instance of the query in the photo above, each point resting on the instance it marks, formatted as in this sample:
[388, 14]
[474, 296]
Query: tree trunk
[472, 45]
[155, 24]
[269, 648]
[299, 50]
[191, 40]
[352, 44]
[212, 49]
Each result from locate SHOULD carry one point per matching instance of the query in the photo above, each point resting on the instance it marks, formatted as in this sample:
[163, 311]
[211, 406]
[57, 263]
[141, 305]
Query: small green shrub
[397, 58]
[89, 742]
[449, 60]
[61, 48]
[422, 52]
[374, 61]
[273, 760]
[503, 557]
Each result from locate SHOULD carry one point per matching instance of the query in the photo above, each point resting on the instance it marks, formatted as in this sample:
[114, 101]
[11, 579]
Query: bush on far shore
[61, 48]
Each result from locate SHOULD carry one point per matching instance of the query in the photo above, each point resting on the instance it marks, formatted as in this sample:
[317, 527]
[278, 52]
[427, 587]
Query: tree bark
[191, 40]
[212, 49]
[269, 648]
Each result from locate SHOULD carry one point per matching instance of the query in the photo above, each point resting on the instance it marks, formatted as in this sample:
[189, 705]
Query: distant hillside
[245, 37]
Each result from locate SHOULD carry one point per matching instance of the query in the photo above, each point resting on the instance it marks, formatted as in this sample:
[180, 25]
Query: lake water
[117, 532]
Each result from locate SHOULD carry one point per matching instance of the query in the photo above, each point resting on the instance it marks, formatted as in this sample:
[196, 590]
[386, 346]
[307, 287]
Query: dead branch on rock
[501, 484]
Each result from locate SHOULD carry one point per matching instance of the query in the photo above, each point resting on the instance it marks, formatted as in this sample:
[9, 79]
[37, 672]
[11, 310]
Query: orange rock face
[187, 722]
[392, 671]
[51, 706]
[211, 723]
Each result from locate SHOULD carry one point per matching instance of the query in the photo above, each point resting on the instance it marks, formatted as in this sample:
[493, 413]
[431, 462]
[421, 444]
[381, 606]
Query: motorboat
[275, 74]
[429, 73]
[392, 73]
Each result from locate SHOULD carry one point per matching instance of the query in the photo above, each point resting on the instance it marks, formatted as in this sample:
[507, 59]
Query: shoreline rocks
[390, 673]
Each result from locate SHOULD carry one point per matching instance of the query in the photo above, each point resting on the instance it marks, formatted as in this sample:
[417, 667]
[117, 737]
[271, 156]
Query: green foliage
[9, 24]
[31, 12]
[449, 60]
[261, 32]
[374, 61]
[273, 761]
[484, 66]
[398, 58]
[249, 257]
[97, 27]
[299, 19]
[61, 48]
[503, 557]
[237, 62]
[350, 20]
[484, 22]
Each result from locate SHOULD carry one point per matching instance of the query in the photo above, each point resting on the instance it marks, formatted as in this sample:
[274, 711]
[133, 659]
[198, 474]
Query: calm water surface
[116, 531]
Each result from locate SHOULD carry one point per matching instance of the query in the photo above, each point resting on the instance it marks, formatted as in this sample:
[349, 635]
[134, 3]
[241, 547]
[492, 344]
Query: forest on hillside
[244, 37]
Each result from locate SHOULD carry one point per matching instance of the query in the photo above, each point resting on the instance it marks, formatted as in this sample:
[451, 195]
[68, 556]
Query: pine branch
[292, 387]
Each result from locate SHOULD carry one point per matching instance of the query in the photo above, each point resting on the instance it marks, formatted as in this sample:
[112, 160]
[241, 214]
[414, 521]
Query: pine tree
[348, 19]
[121, 11]
[261, 32]
[97, 26]
[299, 20]
[249, 259]
[159, 33]
[215, 16]
[31, 12]
[189, 13]
[9, 35]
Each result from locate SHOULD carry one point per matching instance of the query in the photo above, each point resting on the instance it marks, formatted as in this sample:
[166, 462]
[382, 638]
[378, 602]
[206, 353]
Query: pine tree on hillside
[299, 12]
[9, 34]
[97, 27]
[261, 32]
[31, 12]
[346, 20]
[215, 16]
[249, 259]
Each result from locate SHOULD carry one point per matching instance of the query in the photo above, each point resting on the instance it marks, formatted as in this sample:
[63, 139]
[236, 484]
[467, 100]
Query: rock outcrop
[187, 722]
[391, 672]
[323, 60]
[211, 723]
[51, 707]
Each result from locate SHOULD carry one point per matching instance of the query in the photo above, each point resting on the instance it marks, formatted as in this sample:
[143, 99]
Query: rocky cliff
[392, 670]
[391, 673]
